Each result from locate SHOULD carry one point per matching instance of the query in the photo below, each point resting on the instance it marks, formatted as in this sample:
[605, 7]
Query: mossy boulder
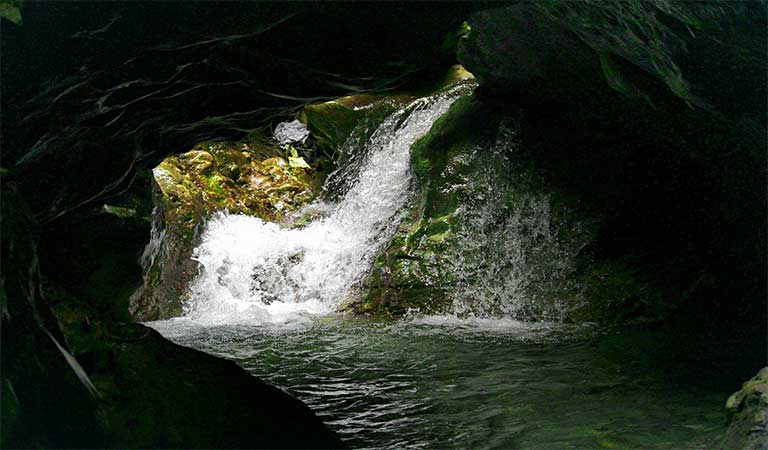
[250, 178]
[339, 127]
[332, 123]
[255, 177]
[488, 233]
[747, 415]
[429, 261]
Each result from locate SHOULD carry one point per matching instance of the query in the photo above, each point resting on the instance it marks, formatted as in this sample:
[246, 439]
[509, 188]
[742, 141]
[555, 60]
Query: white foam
[259, 272]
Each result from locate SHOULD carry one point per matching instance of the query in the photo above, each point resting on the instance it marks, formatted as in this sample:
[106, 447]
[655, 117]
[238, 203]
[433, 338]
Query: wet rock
[747, 415]
[156, 394]
[240, 178]
[293, 132]
[483, 236]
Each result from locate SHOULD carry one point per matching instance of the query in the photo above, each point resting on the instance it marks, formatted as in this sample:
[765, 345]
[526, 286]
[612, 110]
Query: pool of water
[441, 382]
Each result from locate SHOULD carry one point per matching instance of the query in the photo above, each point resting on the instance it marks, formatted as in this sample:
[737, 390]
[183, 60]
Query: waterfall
[254, 271]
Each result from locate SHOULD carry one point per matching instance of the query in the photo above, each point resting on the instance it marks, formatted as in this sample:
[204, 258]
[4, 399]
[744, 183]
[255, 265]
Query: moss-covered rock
[429, 261]
[490, 233]
[411, 272]
[258, 178]
[240, 178]
[747, 415]
[332, 123]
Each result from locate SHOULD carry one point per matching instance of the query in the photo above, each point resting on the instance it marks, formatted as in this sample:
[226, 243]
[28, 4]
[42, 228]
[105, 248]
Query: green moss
[611, 291]
[11, 11]
[330, 124]
[415, 270]
[120, 211]
[213, 184]
[407, 275]
[235, 177]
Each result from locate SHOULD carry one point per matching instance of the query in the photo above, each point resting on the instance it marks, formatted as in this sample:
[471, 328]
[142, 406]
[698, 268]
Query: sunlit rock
[242, 178]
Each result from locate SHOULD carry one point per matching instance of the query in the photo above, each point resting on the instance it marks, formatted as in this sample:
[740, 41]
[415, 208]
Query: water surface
[442, 382]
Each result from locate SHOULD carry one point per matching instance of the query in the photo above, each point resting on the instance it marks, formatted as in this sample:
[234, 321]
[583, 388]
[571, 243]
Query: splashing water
[516, 246]
[255, 271]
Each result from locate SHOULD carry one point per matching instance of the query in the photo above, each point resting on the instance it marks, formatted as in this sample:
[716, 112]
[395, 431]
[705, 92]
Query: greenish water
[444, 383]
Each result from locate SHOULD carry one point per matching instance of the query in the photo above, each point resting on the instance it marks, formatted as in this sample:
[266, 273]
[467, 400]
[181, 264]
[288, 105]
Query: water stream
[254, 271]
[266, 296]
[441, 382]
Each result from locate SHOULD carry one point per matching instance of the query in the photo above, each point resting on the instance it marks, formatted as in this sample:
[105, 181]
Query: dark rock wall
[44, 402]
[122, 89]
[654, 114]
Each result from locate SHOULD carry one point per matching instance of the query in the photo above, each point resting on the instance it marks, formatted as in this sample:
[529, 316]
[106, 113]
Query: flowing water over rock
[255, 271]
[267, 294]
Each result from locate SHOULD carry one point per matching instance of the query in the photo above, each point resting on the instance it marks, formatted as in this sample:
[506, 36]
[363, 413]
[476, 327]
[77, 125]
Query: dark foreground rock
[747, 414]
[83, 378]
[161, 395]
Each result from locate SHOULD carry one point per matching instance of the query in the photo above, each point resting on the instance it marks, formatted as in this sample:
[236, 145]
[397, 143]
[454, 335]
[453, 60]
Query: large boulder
[74, 376]
[648, 112]
[490, 234]
[747, 415]
[156, 394]
[240, 178]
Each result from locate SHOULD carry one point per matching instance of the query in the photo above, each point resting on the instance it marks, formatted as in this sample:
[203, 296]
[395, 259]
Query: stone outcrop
[78, 375]
[647, 114]
[256, 179]
[747, 415]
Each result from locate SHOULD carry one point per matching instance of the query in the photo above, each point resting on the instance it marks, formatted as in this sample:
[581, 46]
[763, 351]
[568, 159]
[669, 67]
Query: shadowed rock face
[156, 394]
[653, 114]
[125, 89]
[747, 414]
[711, 56]
[44, 404]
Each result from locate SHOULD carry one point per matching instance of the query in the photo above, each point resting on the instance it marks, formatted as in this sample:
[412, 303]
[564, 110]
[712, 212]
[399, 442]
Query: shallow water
[446, 383]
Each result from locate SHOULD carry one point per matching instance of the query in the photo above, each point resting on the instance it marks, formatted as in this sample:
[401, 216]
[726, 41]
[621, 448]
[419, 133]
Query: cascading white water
[255, 271]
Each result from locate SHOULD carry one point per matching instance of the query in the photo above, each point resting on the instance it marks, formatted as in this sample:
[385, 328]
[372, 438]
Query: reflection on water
[443, 382]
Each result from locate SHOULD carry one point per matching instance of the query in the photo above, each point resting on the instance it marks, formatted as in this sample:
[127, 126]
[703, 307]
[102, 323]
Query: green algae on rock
[490, 233]
[332, 123]
[747, 415]
[241, 178]
[448, 253]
